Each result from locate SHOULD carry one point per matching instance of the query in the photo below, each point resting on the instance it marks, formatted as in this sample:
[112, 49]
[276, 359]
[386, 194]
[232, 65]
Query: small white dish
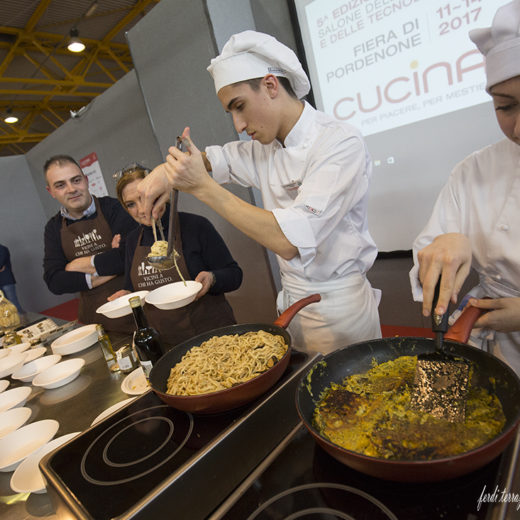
[21, 443]
[135, 383]
[19, 347]
[34, 353]
[120, 307]
[75, 341]
[174, 295]
[30, 370]
[59, 374]
[4, 352]
[14, 397]
[111, 410]
[27, 477]
[4, 383]
[11, 363]
[12, 419]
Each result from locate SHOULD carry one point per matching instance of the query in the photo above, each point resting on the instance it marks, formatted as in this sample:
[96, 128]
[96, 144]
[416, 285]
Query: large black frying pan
[491, 373]
[235, 396]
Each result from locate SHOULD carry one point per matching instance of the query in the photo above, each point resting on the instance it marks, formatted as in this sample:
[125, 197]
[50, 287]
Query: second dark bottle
[147, 341]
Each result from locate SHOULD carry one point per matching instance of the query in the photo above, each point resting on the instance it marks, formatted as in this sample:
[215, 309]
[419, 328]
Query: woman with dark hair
[204, 257]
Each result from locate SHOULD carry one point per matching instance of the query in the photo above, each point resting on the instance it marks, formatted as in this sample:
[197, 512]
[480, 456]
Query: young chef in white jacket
[475, 221]
[313, 173]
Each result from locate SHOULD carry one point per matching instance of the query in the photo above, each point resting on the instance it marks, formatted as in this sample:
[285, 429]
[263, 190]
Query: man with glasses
[84, 242]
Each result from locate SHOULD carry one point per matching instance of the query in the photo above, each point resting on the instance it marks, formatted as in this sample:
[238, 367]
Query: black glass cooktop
[135, 462]
[303, 481]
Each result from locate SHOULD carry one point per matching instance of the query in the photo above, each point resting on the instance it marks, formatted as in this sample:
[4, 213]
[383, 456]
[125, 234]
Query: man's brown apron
[86, 238]
[177, 325]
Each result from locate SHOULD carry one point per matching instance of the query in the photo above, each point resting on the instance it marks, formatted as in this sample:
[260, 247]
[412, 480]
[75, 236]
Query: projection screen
[407, 75]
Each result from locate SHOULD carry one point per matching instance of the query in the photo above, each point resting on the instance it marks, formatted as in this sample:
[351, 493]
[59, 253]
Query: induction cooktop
[148, 458]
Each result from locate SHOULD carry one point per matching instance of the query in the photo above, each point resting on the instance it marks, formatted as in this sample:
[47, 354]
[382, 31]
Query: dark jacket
[110, 262]
[6, 275]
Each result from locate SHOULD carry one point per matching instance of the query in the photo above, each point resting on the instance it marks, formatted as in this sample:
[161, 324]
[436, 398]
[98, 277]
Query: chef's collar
[87, 213]
[299, 134]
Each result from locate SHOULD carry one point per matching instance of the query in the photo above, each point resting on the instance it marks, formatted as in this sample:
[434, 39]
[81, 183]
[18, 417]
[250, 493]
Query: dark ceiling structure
[41, 80]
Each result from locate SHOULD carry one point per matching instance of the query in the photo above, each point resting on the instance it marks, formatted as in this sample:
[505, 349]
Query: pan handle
[461, 329]
[288, 314]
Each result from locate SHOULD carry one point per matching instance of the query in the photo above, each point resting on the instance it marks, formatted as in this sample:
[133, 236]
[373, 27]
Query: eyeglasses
[131, 168]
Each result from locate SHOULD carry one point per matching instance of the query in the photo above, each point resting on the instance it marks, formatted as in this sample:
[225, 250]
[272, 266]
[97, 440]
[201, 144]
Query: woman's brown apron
[86, 238]
[177, 325]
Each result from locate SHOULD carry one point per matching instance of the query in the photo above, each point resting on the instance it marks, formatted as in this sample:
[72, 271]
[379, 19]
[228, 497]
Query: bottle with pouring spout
[147, 341]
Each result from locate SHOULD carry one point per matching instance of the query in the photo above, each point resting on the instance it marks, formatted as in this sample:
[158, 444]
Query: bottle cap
[135, 301]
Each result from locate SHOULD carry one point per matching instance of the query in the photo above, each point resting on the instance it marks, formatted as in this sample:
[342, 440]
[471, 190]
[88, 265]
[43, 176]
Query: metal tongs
[167, 261]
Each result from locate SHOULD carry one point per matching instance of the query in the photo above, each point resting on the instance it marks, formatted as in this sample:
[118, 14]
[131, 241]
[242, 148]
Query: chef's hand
[503, 315]
[117, 295]
[447, 257]
[187, 170]
[82, 264]
[207, 279]
[184, 171]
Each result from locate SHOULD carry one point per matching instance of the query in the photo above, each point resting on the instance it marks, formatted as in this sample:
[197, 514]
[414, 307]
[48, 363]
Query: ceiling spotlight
[75, 44]
[9, 118]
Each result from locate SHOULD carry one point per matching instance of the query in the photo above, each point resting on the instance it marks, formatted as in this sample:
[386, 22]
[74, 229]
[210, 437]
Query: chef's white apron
[346, 314]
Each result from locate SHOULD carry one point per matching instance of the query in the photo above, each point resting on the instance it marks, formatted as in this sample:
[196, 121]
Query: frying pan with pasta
[236, 396]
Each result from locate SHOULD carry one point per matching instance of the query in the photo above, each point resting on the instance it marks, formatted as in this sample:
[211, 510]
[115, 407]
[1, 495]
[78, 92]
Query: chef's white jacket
[316, 185]
[482, 201]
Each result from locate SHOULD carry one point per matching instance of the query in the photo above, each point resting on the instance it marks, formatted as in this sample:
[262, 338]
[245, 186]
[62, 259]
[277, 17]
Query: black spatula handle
[439, 322]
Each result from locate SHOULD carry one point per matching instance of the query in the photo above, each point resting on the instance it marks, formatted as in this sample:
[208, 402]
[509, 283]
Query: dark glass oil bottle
[147, 341]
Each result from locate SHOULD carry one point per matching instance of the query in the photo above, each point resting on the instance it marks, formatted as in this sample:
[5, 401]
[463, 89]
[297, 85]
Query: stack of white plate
[59, 374]
[21, 443]
[75, 341]
[29, 370]
[11, 363]
[14, 397]
[28, 478]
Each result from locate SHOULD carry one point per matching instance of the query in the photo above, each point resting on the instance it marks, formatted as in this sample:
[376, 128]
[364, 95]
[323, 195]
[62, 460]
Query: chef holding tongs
[313, 172]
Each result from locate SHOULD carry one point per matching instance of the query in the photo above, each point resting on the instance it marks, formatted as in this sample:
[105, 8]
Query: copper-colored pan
[238, 395]
[491, 373]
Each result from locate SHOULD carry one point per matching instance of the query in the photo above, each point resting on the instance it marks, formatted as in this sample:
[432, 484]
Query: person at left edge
[84, 243]
[7, 281]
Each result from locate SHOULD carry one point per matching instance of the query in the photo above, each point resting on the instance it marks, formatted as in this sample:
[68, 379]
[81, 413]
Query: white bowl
[11, 363]
[4, 352]
[28, 478]
[29, 370]
[110, 410]
[75, 341]
[12, 419]
[18, 445]
[135, 383]
[174, 295]
[34, 353]
[59, 374]
[19, 347]
[120, 306]
[14, 397]
[4, 383]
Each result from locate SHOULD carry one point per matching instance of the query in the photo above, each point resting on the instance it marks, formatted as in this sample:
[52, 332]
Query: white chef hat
[500, 44]
[251, 54]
